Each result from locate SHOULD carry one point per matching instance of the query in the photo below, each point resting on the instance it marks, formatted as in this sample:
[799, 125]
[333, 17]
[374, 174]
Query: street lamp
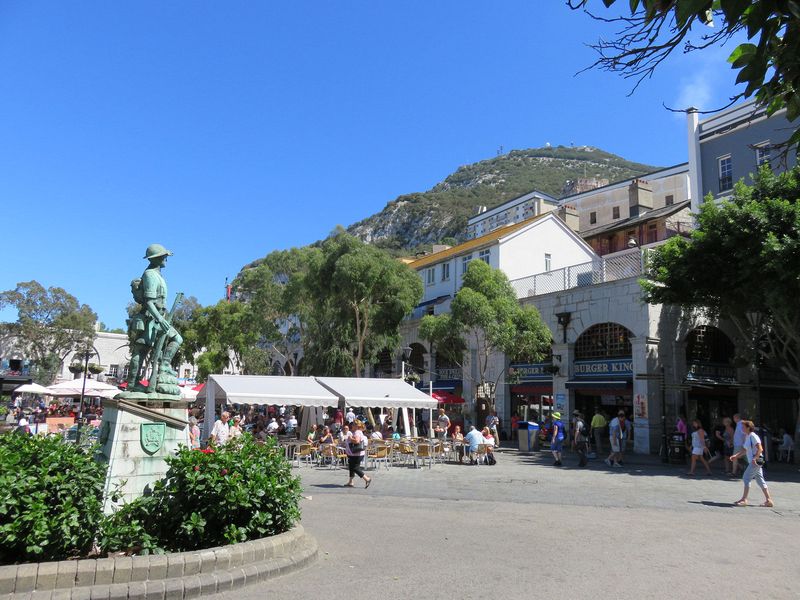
[406, 355]
[86, 356]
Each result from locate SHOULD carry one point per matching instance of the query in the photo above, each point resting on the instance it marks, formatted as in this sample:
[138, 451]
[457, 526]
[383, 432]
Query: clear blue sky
[226, 130]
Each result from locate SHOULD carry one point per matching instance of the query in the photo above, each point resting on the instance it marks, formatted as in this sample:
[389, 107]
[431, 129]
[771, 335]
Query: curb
[161, 576]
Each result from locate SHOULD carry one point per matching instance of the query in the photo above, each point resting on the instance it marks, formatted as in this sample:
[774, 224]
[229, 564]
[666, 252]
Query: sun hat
[23, 422]
[556, 415]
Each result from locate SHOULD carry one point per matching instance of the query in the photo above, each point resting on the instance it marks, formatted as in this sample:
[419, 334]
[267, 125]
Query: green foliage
[486, 315]
[357, 296]
[751, 245]
[218, 331]
[50, 324]
[50, 499]
[767, 64]
[242, 492]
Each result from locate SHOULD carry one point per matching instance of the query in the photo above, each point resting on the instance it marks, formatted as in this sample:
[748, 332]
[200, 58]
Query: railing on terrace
[612, 268]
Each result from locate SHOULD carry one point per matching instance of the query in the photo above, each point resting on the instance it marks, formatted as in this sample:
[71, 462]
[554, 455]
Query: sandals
[366, 485]
[348, 485]
[768, 504]
[740, 503]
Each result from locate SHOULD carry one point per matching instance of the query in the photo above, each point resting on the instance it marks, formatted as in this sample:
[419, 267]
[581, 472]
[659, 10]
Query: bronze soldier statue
[152, 337]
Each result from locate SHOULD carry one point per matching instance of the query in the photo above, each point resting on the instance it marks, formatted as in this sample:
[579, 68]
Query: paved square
[526, 529]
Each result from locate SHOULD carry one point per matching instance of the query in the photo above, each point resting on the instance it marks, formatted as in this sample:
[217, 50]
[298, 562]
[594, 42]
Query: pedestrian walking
[598, 430]
[698, 447]
[738, 440]
[727, 449]
[194, 434]
[581, 439]
[355, 447]
[557, 439]
[755, 461]
[617, 434]
[221, 431]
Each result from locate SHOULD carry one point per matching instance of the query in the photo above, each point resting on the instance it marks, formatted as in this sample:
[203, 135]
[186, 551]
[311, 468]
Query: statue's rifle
[159, 348]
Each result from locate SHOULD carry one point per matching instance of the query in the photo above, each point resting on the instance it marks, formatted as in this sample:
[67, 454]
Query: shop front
[603, 386]
[713, 393]
[532, 391]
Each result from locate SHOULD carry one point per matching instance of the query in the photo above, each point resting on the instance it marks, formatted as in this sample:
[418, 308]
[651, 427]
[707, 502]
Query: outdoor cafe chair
[304, 452]
[424, 453]
[480, 454]
[380, 453]
[329, 454]
[403, 451]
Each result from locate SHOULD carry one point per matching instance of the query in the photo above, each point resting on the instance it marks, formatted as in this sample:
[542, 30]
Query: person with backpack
[581, 439]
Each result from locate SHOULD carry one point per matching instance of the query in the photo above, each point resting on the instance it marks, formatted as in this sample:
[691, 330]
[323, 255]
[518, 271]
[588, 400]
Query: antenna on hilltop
[499, 150]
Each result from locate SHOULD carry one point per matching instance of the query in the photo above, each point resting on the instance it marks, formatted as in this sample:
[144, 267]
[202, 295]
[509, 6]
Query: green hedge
[51, 499]
[244, 491]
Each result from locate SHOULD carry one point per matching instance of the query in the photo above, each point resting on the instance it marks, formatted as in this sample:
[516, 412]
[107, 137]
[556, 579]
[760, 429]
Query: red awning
[124, 384]
[199, 387]
[445, 397]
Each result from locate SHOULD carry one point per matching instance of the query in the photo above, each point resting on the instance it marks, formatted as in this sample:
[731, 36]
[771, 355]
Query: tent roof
[377, 392]
[317, 391]
[269, 389]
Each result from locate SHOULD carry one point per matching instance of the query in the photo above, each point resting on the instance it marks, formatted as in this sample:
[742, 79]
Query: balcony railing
[623, 265]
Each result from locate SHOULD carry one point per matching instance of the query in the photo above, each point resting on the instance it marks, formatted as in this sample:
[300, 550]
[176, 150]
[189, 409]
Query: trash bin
[677, 448]
[528, 435]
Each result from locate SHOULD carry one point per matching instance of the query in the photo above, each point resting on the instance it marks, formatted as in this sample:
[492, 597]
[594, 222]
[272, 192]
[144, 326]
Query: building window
[113, 370]
[430, 276]
[445, 271]
[484, 255]
[605, 340]
[592, 218]
[669, 200]
[615, 212]
[725, 173]
[465, 263]
[652, 233]
[548, 261]
[762, 154]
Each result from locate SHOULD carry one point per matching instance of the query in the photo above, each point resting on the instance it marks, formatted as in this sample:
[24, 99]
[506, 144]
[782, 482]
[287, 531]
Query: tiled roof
[479, 242]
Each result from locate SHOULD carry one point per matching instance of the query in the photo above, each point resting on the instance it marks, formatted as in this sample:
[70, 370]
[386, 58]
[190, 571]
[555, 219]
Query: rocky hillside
[416, 220]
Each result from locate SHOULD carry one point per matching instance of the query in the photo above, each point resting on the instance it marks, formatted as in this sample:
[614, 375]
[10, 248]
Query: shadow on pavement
[710, 503]
[651, 466]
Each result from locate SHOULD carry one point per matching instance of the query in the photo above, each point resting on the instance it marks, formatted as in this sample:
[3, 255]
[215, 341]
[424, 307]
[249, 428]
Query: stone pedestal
[138, 432]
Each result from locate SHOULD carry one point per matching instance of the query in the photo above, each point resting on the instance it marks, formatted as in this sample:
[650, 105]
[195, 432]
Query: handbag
[355, 446]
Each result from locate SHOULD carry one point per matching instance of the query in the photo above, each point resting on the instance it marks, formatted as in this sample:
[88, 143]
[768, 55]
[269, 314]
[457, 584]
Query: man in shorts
[616, 436]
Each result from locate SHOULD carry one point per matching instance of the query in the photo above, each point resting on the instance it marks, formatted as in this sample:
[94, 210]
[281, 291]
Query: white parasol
[31, 388]
[73, 388]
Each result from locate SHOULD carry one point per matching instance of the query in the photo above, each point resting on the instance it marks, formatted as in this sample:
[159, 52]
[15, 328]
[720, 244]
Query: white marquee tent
[317, 392]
